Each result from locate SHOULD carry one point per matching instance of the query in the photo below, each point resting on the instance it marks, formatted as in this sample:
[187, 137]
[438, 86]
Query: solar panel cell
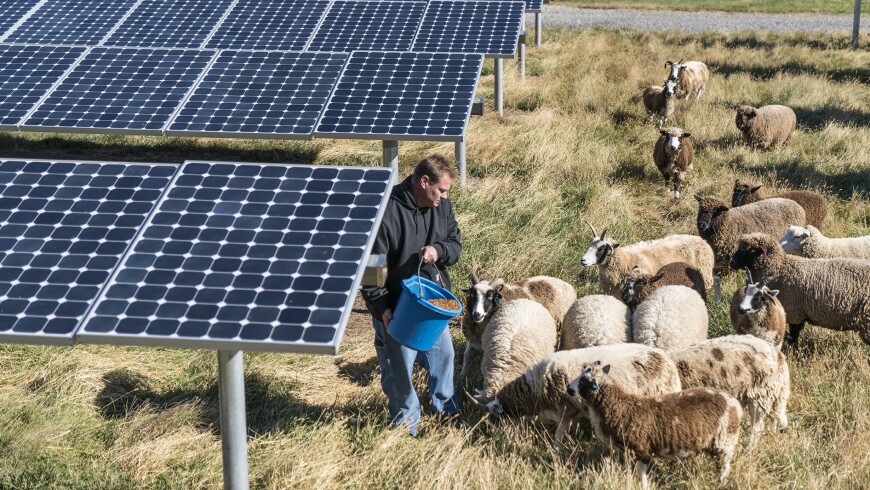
[368, 25]
[485, 27]
[83, 22]
[169, 23]
[282, 25]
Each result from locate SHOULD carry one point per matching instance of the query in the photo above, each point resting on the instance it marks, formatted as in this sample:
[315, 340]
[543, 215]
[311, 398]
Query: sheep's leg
[726, 468]
[780, 413]
[640, 470]
[466, 362]
[700, 91]
[794, 331]
[677, 188]
[757, 423]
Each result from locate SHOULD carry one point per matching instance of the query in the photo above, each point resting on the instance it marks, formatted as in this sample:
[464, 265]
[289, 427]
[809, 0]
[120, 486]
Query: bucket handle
[437, 276]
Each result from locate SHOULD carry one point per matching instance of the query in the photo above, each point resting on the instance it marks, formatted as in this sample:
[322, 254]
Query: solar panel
[282, 25]
[63, 229]
[488, 28]
[121, 90]
[83, 22]
[534, 5]
[169, 23]
[260, 94]
[394, 96]
[13, 11]
[368, 25]
[26, 74]
[238, 256]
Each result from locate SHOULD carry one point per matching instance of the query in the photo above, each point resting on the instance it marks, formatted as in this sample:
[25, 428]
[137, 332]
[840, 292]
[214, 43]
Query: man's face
[434, 192]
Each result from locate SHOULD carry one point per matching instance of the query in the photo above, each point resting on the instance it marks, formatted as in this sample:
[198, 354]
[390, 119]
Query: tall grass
[754, 6]
[574, 144]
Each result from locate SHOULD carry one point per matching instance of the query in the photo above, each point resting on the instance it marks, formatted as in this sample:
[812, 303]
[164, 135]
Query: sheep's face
[670, 88]
[673, 138]
[754, 251]
[755, 297]
[793, 239]
[493, 406]
[742, 190]
[634, 283]
[676, 68]
[745, 118]
[482, 301]
[709, 210]
[589, 381]
[598, 252]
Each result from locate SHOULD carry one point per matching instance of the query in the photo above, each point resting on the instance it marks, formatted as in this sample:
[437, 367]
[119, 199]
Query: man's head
[432, 178]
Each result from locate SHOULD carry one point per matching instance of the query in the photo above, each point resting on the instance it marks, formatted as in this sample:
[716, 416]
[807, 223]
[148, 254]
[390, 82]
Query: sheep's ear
[473, 278]
[614, 245]
[773, 293]
[698, 197]
[497, 284]
[751, 113]
[663, 132]
[668, 63]
[656, 277]
[596, 363]
[687, 135]
[755, 189]
[605, 369]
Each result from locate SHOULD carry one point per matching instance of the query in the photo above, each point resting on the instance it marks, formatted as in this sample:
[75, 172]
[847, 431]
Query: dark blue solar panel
[169, 23]
[246, 256]
[260, 94]
[368, 25]
[11, 11]
[418, 96]
[63, 229]
[121, 90]
[269, 24]
[534, 5]
[84, 22]
[488, 28]
[26, 74]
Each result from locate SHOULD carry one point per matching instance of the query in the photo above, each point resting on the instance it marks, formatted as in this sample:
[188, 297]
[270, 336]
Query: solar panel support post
[521, 45]
[856, 23]
[234, 437]
[460, 161]
[538, 29]
[391, 154]
[499, 86]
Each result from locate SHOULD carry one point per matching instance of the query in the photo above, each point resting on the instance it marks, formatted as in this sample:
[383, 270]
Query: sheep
[691, 76]
[756, 311]
[520, 333]
[675, 425]
[614, 263]
[597, 319]
[673, 154]
[722, 226]
[671, 317]
[638, 369]
[660, 101]
[639, 283]
[746, 367]
[830, 293]
[771, 125]
[808, 241]
[814, 204]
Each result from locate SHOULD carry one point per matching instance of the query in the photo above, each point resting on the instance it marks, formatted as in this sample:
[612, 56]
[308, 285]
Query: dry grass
[574, 143]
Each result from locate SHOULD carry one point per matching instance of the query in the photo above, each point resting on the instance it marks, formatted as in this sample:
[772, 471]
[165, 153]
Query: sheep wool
[814, 204]
[771, 125]
[597, 319]
[809, 242]
[639, 283]
[671, 317]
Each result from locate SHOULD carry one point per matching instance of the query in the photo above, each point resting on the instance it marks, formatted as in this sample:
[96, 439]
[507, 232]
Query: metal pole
[234, 432]
[537, 29]
[522, 59]
[460, 161]
[391, 155]
[499, 86]
[856, 24]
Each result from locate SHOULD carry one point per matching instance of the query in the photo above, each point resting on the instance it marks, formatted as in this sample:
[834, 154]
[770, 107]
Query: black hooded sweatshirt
[405, 229]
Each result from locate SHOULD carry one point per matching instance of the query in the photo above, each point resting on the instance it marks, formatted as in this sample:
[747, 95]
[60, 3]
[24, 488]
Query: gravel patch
[557, 16]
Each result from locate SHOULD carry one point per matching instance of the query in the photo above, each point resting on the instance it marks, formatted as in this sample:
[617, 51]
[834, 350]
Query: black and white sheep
[596, 319]
[640, 283]
[814, 204]
[756, 311]
[830, 293]
[661, 101]
[673, 155]
[673, 425]
[669, 318]
[691, 76]
[748, 368]
[615, 263]
[771, 125]
[807, 241]
[722, 226]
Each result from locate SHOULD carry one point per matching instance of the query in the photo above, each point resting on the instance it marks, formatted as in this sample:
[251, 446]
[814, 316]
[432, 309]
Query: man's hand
[387, 317]
[430, 255]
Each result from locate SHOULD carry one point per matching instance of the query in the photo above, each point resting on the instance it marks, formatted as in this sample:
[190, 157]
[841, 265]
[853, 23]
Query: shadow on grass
[861, 75]
[796, 176]
[817, 119]
[359, 373]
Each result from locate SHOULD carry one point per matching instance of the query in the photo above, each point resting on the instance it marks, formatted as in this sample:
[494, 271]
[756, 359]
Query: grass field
[770, 6]
[574, 144]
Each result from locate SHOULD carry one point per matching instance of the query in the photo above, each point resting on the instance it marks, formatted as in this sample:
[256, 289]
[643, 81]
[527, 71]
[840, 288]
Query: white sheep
[597, 319]
[661, 101]
[691, 76]
[807, 241]
[771, 125]
[615, 263]
[748, 368]
[669, 318]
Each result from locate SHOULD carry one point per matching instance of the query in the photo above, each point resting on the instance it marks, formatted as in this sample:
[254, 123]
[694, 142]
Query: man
[418, 225]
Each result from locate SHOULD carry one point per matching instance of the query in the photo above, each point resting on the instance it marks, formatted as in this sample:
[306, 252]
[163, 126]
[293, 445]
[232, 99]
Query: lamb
[830, 293]
[675, 425]
[673, 154]
[660, 101]
[691, 76]
[638, 369]
[597, 319]
[771, 125]
[814, 204]
[748, 368]
[614, 263]
[756, 311]
[808, 241]
[722, 226]
[639, 283]
[671, 317]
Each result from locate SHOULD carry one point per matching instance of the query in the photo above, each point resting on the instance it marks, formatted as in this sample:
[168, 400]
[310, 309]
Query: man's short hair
[434, 166]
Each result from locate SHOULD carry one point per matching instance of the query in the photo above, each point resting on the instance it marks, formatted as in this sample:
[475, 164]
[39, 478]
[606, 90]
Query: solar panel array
[283, 25]
[475, 26]
[351, 25]
[82, 22]
[12, 11]
[169, 23]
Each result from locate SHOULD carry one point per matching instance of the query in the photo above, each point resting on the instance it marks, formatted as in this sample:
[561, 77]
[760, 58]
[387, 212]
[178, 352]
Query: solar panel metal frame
[53, 339]
[519, 29]
[398, 137]
[244, 345]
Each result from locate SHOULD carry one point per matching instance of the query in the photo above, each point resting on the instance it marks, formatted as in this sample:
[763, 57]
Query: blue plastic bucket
[417, 323]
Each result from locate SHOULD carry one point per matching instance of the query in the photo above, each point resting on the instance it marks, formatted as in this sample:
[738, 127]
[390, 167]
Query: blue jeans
[397, 364]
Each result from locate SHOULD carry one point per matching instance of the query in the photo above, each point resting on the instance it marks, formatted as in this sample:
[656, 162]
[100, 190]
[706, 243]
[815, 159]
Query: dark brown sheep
[814, 204]
[673, 155]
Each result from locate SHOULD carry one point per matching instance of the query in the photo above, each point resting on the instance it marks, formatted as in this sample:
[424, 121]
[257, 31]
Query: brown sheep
[756, 311]
[771, 125]
[673, 155]
[661, 101]
[814, 204]
[640, 283]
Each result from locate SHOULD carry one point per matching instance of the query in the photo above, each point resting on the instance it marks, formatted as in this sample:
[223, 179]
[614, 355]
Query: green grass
[838, 7]
[574, 144]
